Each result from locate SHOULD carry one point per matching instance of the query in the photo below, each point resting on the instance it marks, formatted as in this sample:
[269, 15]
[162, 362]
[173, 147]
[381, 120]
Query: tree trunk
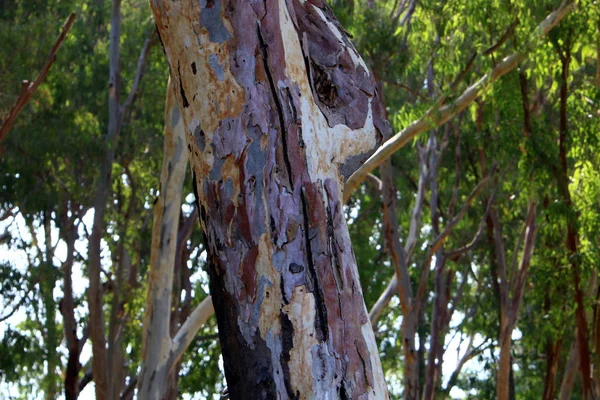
[67, 309]
[504, 365]
[278, 103]
[95, 293]
[157, 335]
[570, 374]
[511, 295]
[404, 289]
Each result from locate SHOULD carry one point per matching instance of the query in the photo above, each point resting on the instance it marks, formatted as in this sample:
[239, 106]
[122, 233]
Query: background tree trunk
[278, 103]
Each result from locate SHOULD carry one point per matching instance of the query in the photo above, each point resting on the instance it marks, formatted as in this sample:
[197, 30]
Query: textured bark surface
[279, 106]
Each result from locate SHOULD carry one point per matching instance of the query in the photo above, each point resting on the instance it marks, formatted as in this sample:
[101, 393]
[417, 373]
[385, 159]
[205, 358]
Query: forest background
[490, 220]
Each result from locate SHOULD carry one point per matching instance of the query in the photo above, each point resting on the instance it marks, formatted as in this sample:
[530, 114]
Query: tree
[454, 202]
[279, 106]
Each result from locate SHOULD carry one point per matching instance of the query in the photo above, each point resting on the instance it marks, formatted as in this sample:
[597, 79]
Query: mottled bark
[279, 106]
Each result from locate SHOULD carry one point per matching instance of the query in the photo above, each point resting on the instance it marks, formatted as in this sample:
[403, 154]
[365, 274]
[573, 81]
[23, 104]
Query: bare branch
[503, 39]
[415, 219]
[17, 306]
[28, 89]
[139, 73]
[391, 230]
[87, 378]
[376, 181]
[383, 301]
[190, 328]
[460, 251]
[519, 287]
[408, 89]
[439, 240]
[471, 353]
[458, 217]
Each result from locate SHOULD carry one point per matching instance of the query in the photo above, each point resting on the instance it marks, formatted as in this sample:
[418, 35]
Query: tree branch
[190, 328]
[438, 115]
[139, 73]
[28, 89]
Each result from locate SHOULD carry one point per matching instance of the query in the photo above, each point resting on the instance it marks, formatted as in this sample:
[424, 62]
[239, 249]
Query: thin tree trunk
[51, 335]
[157, 355]
[95, 292]
[67, 309]
[572, 238]
[570, 374]
[511, 295]
[278, 103]
[404, 289]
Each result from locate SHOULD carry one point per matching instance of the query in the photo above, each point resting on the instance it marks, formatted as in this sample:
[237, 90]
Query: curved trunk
[279, 106]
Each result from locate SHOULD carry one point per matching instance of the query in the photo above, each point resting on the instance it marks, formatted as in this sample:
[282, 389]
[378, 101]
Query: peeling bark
[279, 107]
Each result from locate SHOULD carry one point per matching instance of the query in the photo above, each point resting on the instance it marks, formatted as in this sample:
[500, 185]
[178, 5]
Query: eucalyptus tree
[279, 106]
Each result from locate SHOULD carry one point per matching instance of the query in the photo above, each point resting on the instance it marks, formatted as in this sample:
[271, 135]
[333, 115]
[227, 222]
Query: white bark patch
[301, 312]
[326, 147]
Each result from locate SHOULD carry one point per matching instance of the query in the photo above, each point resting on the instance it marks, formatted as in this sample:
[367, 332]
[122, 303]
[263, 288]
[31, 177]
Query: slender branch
[139, 73]
[500, 259]
[528, 247]
[461, 250]
[408, 89]
[439, 240]
[503, 39]
[28, 89]
[415, 219]
[391, 231]
[438, 115]
[457, 169]
[191, 326]
[471, 353]
[458, 217]
[87, 378]
[17, 306]
[383, 300]
[376, 181]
